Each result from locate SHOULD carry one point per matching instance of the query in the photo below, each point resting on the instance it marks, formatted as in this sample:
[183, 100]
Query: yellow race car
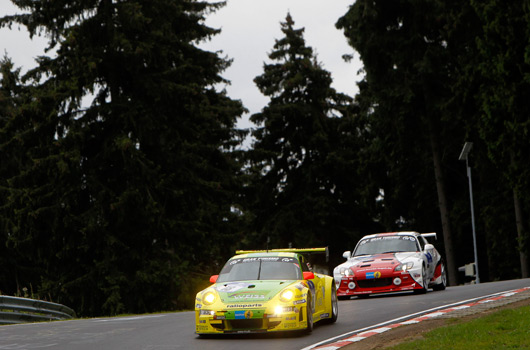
[266, 291]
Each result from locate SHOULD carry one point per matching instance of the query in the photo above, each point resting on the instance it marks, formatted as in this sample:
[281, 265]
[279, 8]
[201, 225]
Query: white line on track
[404, 318]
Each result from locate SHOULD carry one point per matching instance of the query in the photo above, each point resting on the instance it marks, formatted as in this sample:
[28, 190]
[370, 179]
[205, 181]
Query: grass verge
[505, 329]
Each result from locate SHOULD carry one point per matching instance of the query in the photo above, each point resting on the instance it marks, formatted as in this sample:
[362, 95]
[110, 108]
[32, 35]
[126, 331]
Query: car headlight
[344, 271]
[209, 298]
[404, 267]
[287, 295]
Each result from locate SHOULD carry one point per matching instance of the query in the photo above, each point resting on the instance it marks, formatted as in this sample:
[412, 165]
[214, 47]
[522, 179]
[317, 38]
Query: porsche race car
[266, 291]
[390, 262]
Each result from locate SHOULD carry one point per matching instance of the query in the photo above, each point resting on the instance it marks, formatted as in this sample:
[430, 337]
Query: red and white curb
[363, 335]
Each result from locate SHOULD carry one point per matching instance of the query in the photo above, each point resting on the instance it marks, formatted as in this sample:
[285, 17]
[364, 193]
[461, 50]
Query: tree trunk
[520, 235]
[452, 271]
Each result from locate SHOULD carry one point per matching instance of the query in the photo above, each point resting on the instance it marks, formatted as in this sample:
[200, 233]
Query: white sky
[249, 29]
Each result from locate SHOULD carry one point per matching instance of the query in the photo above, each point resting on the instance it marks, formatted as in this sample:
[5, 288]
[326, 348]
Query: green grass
[506, 329]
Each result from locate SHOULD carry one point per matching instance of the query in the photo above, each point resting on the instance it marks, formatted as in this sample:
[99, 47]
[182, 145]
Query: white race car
[390, 262]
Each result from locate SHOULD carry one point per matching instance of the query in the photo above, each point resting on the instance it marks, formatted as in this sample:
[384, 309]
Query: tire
[334, 306]
[443, 283]
[309, 316]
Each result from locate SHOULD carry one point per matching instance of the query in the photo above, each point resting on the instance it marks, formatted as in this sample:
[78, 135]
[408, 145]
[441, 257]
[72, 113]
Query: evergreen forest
[125, 182]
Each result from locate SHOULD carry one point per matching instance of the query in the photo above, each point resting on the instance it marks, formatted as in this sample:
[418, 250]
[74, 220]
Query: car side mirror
[214, 278]
[429, 247]
[346, 254]
[308, 275]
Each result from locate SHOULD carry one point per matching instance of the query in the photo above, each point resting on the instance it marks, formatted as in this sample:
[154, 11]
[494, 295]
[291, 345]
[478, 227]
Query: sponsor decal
[324, 316]
[429, 257]
[373, 275]
[243, 314]
[230, 287]
[299, 286]
[239, 315]
[311, 286]
[289, 325]
[202, 328]
[248, 295]
[219, 318]
[296, 302]
[198, 306]
[202, 321]
[242, 306]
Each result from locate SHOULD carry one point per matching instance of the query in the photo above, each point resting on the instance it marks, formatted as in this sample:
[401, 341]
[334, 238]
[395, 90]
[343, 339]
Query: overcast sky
[248, 31]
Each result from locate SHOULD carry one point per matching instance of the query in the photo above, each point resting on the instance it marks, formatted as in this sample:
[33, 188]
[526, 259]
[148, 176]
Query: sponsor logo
[373, 275]
[247, 295]
[296, 302]
[243, 306]
[324, 316]
[231, 287]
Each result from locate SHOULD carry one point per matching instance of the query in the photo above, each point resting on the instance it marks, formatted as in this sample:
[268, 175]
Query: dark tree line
[126, 203]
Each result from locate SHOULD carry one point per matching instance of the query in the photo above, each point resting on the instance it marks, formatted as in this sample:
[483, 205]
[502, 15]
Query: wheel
[309, 316]
[334, 306]
[443, 279]
[424, 281]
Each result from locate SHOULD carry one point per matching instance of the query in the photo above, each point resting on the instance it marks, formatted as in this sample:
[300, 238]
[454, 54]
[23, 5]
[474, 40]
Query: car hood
[232, 292]
[378, 260]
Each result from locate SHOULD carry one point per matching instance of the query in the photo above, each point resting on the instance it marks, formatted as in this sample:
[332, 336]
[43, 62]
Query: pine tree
[404, 56]
[504, 65]
[297, 160]
[132, 193]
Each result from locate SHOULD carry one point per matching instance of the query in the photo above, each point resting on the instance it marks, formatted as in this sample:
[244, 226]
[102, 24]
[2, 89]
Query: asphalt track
[176, 330]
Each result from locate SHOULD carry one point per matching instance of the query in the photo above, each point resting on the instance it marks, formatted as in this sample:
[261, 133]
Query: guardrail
[15, 310]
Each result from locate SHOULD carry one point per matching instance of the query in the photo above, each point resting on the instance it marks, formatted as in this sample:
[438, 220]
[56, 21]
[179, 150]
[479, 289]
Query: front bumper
[258, 320]
[392, 282]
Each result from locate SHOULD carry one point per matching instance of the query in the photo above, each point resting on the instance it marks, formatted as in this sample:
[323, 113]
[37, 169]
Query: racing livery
[266, 291]
[390, 262]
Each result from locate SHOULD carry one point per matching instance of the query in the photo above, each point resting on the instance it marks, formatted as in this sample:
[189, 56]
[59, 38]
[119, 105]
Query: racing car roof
[286, 252]
[402, 233]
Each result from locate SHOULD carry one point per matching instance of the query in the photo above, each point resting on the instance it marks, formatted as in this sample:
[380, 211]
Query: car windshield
[261, 268]
[386, 244]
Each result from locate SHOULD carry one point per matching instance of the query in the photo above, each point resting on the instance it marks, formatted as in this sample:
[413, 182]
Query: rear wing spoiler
[322, 250]
[430, 234]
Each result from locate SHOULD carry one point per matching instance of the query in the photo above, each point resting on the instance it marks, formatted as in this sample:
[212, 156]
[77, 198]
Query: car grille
[374, 283]
[247, 324]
